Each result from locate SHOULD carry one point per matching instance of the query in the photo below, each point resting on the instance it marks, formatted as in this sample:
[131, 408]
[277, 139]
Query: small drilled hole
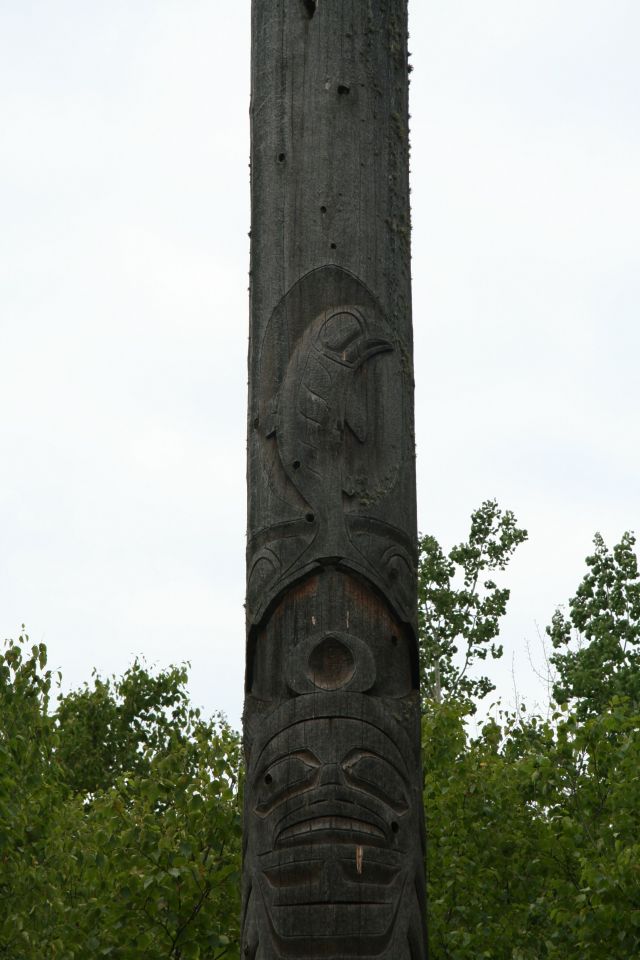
[395, 827]
[343, 89]
[296, 464]
[309, 517]
[323, 209]
[334, 246]
[268, 779]
[282, 157]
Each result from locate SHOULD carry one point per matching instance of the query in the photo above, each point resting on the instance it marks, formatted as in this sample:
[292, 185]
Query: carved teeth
[342, 829]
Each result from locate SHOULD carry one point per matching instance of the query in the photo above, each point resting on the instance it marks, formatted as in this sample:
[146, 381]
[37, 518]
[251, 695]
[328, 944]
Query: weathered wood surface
[334, 848]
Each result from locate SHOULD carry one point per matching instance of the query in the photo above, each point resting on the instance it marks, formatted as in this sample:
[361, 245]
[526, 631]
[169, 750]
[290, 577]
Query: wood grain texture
[334, 849]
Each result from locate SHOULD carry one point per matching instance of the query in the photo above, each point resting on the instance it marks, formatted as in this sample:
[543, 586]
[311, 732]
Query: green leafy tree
[31, 791]
[119, 825]
[460, 605]
[120, 804]
[120, 724]
[159, 856]
[486, 861]
[589, 794]
[533, 825]
[598, 644]
[533, 830]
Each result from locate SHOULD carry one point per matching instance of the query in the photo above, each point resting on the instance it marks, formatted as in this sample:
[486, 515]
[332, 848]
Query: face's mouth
[331, 829]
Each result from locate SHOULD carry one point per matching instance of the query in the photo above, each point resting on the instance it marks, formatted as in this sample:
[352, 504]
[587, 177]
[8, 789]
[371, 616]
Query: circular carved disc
[331, 664]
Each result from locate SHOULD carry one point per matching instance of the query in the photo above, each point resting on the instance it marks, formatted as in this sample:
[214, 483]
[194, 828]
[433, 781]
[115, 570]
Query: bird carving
[322, 395]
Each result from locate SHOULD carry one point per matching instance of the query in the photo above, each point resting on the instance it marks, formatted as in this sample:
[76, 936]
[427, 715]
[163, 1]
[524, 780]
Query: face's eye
[284, 778]
[375, 775]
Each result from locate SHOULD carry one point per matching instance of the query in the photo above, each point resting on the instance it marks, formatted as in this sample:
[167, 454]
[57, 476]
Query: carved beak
[373, 345]
[365, 348]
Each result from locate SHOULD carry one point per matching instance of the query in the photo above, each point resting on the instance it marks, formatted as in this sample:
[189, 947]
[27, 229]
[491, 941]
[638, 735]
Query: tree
[459, 625]
[598, 644]
[31, 790]
[486, 864]
[120, 725]
[533, 824]
[119, 818]
[533, 836]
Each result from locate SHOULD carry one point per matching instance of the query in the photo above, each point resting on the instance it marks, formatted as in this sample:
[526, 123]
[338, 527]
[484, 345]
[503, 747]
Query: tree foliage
[460, 605]
[534, 824]
[120, 725]
[534, 830]
[119, 802]
[119, 818]
[598, 644]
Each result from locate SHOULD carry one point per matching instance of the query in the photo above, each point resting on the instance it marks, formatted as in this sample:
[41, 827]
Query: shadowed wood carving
[334, 844]
[331, 440]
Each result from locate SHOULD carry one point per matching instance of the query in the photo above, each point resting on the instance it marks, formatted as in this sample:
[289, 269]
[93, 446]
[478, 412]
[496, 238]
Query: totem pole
[334, 844]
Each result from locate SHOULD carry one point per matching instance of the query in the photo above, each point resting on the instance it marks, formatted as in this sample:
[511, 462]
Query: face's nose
[331, 775]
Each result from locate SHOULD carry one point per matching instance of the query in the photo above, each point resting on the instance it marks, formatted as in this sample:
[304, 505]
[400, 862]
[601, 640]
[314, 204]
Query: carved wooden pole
[334, 846]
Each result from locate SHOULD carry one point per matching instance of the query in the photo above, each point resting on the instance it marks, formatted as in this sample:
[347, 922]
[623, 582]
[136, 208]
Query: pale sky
[124, 315]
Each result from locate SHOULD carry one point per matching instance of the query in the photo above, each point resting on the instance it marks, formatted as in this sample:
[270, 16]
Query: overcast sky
[124, 206]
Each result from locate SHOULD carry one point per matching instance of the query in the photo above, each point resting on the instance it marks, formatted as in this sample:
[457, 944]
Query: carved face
[333, 827]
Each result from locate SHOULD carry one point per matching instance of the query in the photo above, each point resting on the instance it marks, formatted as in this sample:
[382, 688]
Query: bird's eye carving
[340, 330]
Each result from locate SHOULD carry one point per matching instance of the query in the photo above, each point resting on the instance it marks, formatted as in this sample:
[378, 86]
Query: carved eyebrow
[305, 755]
[355, 755]
[268, 744]
[378, 789]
